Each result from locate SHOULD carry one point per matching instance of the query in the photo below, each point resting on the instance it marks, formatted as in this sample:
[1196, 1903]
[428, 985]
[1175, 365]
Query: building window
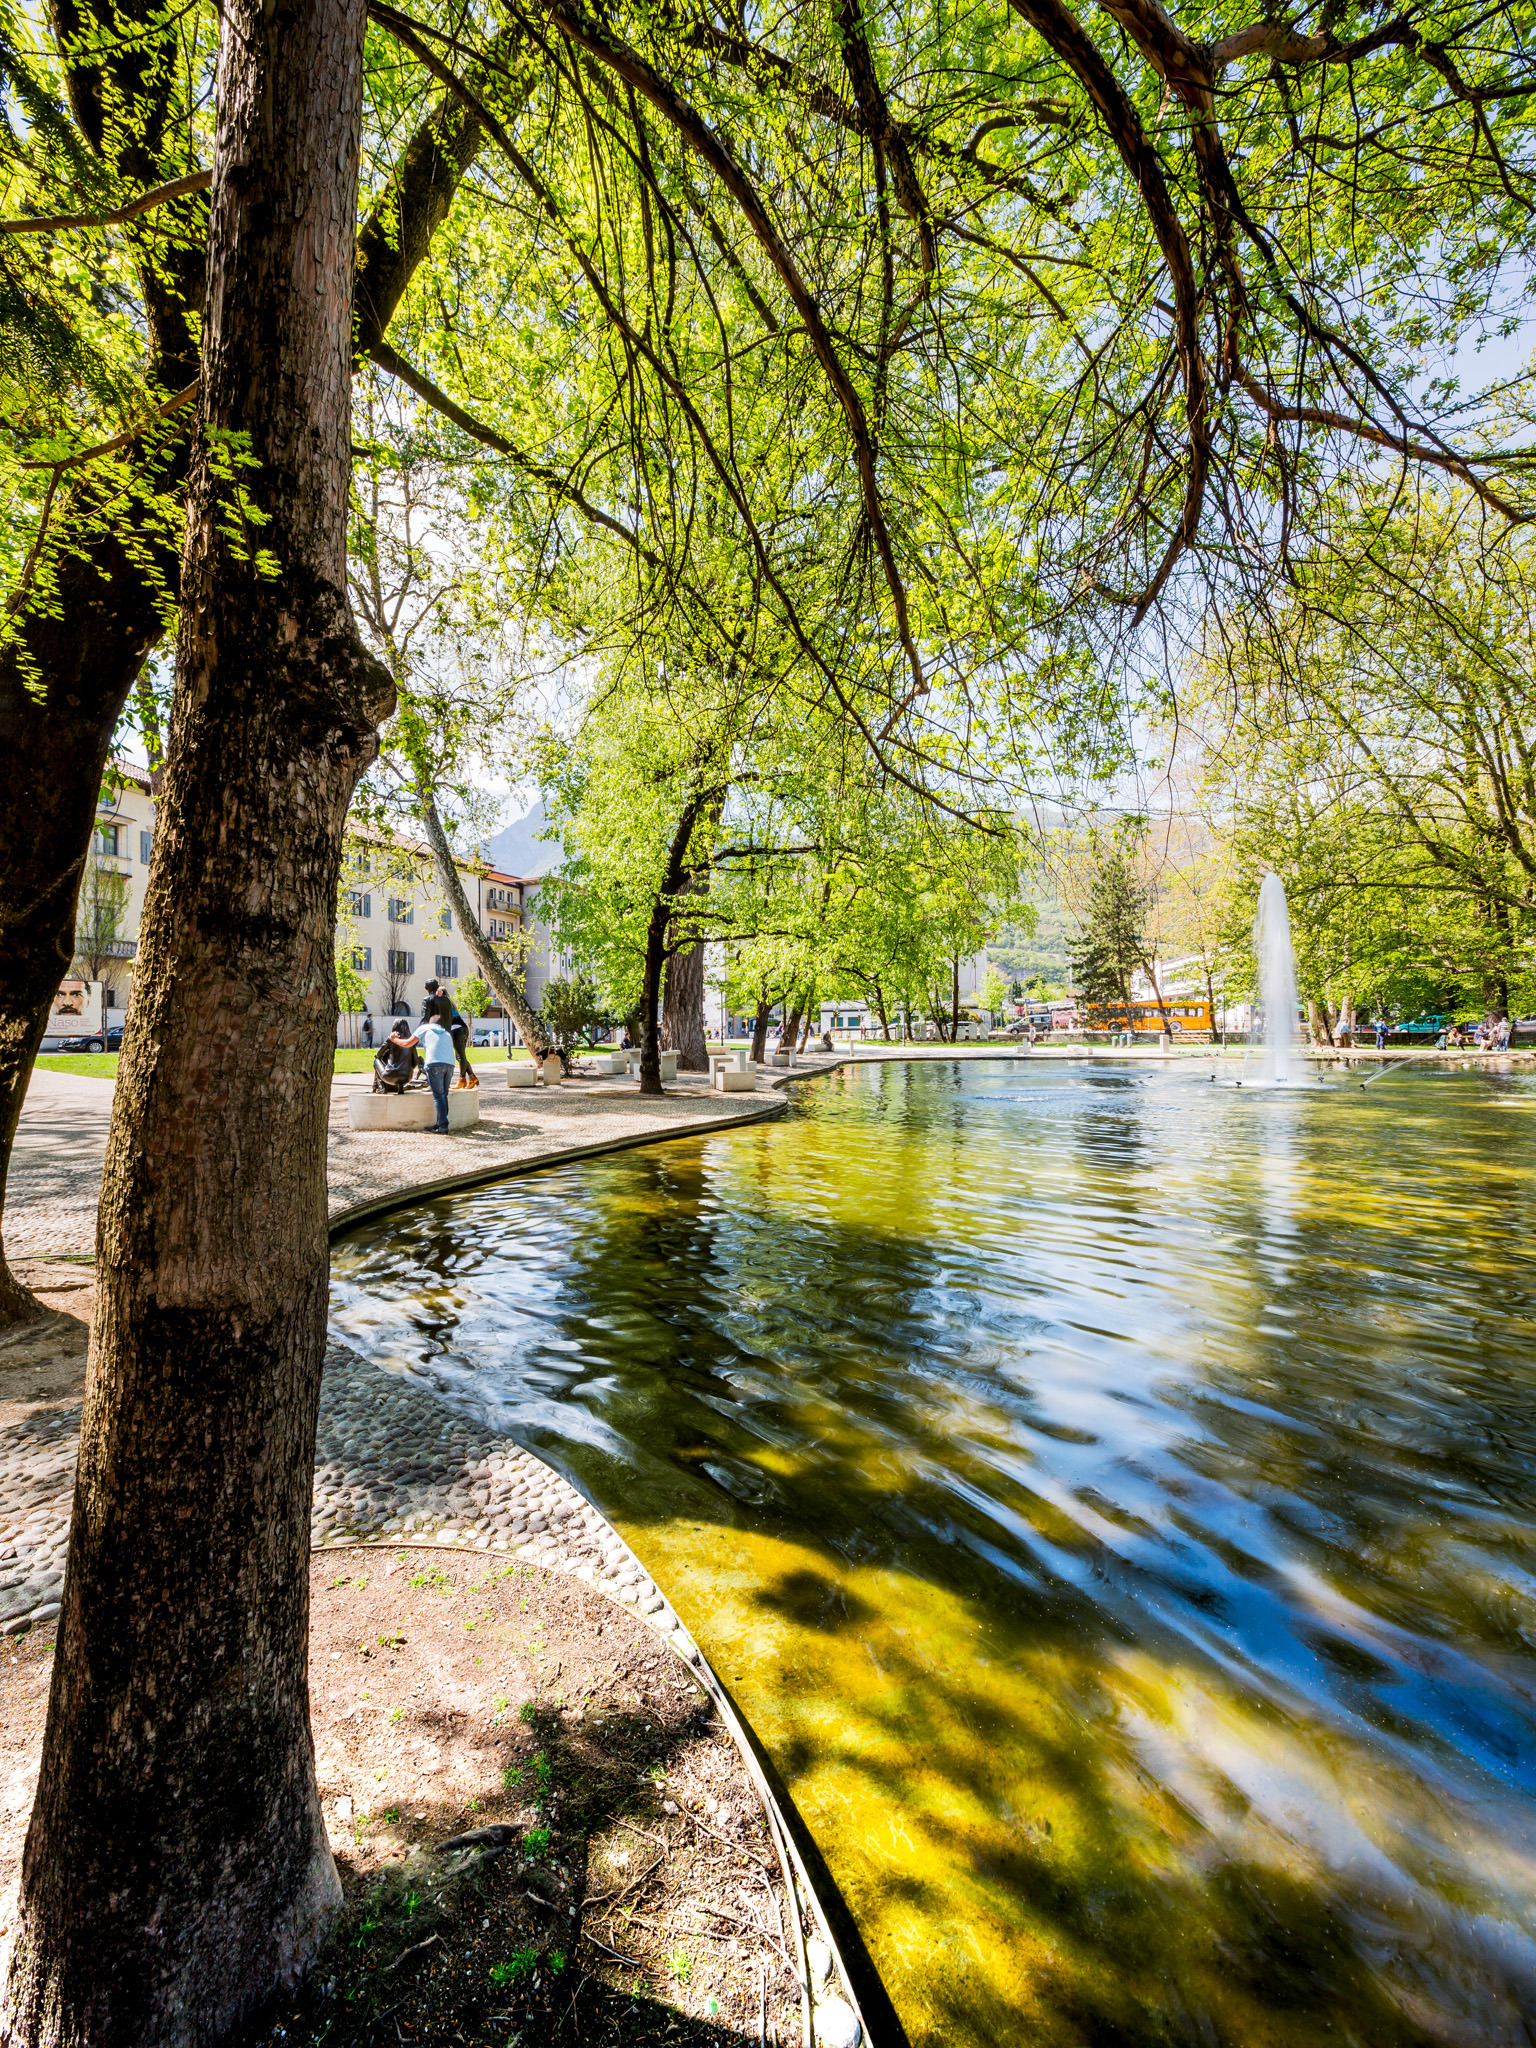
[146, 847]
[362, 903]
[401, 912]
[447, 920]
[402, 963]
[362, 959]
[111, 998]
[107, 838]
[447, 968]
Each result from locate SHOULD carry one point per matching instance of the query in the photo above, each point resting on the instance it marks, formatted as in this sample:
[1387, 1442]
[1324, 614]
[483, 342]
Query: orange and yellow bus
[1190, 1017]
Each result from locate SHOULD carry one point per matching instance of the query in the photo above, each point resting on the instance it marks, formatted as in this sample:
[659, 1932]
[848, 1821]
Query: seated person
[395, 1060]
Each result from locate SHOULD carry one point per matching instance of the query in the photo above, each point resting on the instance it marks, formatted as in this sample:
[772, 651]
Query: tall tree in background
[176, 1869]
[1112, 941]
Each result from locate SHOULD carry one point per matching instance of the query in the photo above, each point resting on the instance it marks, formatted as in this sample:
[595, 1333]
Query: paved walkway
[389, 1459]
[55, 1176]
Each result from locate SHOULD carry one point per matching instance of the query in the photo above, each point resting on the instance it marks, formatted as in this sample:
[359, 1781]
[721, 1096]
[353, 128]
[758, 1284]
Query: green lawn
[348, 1061]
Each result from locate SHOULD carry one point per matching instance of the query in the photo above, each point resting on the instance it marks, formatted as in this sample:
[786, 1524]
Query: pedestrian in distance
[1381, 1034]
[368, 1033]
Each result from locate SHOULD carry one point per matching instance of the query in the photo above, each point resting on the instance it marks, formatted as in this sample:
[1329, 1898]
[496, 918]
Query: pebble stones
[837, 2024]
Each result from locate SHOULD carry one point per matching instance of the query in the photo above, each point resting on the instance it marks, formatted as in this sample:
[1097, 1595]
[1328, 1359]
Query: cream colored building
[392, 920]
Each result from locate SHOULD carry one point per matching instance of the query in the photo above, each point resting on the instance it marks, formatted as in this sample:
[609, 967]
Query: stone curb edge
[427, 1191]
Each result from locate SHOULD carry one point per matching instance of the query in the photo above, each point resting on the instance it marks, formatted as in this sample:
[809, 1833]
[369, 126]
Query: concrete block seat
[412, 1111]
[736, 1080]
[522, 1074]
[669, 1066]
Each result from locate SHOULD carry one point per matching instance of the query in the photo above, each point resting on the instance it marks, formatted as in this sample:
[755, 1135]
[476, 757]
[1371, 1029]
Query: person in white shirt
[436, 1041]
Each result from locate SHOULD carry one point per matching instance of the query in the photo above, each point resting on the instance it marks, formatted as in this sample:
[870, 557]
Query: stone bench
[522, 1074]
[413, 1111]
[736, 1080]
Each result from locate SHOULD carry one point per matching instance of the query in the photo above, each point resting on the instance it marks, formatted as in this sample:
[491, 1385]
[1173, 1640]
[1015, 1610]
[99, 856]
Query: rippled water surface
[1111, 1497]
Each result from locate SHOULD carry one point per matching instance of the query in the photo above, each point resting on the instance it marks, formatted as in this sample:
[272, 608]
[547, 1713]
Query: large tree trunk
[87, 647]
[760, 1032]
[176, 1871]
[682, 1010]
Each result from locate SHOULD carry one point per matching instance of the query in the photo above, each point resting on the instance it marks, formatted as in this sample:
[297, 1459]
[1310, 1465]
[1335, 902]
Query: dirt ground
[42, 1363]
[543, 1832]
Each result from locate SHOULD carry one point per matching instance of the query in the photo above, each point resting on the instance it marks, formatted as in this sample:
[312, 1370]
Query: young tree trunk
[885, 1022]
[1150, 970]
[682, 1010]
[760, 1031]
[529, 1020]
[954, 1001]
[176, 1871]
[812, 1012]
[650, 999]
[673, 880]
[789, 1029]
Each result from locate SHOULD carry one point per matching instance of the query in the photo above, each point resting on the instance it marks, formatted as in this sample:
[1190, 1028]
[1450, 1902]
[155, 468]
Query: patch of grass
[527, 1711]
[512, 1775]
[523, 1964]
[435, 1577]
[679, 1965]
[98, 1063]
[536, 1841]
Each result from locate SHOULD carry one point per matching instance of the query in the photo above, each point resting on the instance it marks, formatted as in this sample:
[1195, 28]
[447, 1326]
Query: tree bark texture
[760, 1032]
[682, 1010]
[65, 677]
[176, 1872]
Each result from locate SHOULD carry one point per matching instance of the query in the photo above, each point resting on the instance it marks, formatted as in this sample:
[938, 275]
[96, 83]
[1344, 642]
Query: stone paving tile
[390, 1461]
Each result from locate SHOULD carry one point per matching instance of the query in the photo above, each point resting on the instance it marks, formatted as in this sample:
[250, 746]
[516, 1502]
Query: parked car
[487, 1034]
[109, 1041]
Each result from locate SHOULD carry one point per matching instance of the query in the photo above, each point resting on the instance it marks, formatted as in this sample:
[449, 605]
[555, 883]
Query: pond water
[1111, 1498]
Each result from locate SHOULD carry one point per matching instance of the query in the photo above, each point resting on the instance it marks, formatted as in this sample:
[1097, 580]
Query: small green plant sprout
[469, 1628]
[656, 1775]
[471, 1806]
[412, 1899]
[342, 1581]
[520, 1965]
[435, 1577]
[527, 1711]
[379, 1777]
[679, 1965]
[536, 1841]
[511, 1776]
[397, 1712]
[556, 1960]
[394, 1641]
[391, 1819]
[712, 2007]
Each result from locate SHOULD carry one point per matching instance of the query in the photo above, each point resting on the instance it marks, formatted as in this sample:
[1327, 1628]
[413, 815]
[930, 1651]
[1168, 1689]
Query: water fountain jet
[1277, 979]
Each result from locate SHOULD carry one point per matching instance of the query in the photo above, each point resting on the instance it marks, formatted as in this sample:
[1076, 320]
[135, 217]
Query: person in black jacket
[440, 1004]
